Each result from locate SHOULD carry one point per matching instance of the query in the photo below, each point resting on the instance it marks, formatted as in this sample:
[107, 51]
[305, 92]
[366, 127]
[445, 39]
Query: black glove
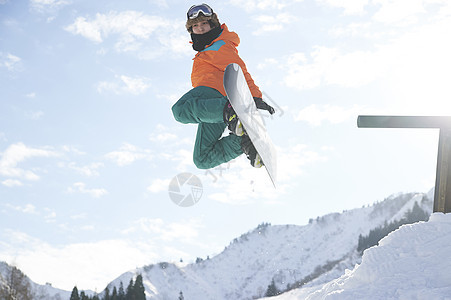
[263, 105]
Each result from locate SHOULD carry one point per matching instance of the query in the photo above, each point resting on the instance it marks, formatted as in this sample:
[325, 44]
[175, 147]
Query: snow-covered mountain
[25, 288]
[288, 256]
[311, 261]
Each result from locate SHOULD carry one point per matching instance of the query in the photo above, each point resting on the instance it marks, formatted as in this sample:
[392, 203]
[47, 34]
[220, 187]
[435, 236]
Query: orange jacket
[210, 63]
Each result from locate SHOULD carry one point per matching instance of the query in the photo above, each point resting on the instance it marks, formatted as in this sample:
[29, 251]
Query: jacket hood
[227, 35]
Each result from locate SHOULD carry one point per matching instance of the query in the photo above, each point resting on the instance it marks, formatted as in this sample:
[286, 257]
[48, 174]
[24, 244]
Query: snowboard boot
[232, 121]
[250, 151]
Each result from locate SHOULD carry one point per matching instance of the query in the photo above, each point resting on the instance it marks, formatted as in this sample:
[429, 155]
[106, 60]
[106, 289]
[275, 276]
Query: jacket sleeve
[233, 57]
[228, 54]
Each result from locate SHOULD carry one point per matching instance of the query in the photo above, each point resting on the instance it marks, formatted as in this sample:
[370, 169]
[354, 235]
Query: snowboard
[243, 103]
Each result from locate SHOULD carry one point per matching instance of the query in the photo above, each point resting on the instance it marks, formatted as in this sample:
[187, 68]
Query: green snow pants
[204, 106]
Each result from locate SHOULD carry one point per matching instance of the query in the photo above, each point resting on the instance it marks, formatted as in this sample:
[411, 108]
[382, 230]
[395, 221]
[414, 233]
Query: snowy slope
[410, 263]
[38, 291]
[313, 254]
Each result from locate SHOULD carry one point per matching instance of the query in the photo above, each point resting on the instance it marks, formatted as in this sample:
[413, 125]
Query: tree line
[414, 215]
[14, 284]
[135, 291]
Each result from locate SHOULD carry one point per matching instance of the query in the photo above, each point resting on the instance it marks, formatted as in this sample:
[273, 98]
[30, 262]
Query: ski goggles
[195, 10]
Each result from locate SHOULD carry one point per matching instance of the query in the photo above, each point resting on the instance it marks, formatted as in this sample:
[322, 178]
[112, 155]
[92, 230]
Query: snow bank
[410, 263]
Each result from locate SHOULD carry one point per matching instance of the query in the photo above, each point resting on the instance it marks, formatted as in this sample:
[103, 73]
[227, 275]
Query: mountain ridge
[288, 255]
[282, 256]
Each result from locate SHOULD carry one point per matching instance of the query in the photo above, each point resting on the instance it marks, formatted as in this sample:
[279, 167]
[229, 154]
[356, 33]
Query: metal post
[442, 196]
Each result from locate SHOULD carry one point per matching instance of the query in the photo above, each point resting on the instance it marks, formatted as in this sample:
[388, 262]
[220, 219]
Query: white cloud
[399, 11]
[419, 74]
[86, 29]
[294, 160]
[271, 23]
[12, 182]
[125, 85]
[88, 265]
[386, 52]
[358, 30]
[90, 170]
[176, 41]
[50, 215]
[31, 95]
[161, 3]
[16, 154]
[87, 227]
[252, 5]
[445, 9]
[174, 96]
[80, 187]
[27, 209]
[72, 149]
[162, 135]
[315, 115]
[351, 7]
[328, 66]
[185, 231]
[10, 62]
[158, 185]
[387, 11]
[47, 6]
[267, 62]
[108, 86]
[34, 115]
[128, 154]
[306, 76]
[184, 157]
[135, 32]
[411, 65]
[137, 85]
[174, 148]
[240, 184]
[79, 216]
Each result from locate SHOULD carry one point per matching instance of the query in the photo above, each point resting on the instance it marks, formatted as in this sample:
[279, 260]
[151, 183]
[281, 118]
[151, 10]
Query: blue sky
[88, 144]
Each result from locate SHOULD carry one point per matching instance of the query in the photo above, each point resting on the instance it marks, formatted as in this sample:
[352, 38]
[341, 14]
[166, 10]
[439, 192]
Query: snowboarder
[207, 104]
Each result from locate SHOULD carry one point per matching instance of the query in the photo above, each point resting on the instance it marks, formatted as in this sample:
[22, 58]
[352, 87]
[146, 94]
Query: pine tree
[138, 288]
[417, 214]
[130, 295]
[121, 293]
[3, 289]
[107, 294]
[272, 290]
[83, 296]
[114, 296]
[74, 295]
